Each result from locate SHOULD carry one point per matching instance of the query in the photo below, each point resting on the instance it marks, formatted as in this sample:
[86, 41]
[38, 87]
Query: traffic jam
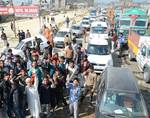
[93, 66]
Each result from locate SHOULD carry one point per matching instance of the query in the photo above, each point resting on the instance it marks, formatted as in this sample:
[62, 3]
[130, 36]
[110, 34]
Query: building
[58, 4]
[1, 3]
[90, 2]
[86, 2]
[45, 5]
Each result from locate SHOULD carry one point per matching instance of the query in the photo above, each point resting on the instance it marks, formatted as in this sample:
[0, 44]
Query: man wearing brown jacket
[90, 83]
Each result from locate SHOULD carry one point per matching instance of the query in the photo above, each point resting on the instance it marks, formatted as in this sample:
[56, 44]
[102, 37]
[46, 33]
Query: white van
[98, 30]
[99, 54]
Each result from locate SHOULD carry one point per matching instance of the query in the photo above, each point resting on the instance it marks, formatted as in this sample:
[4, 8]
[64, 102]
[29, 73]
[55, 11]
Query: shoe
[56, 106]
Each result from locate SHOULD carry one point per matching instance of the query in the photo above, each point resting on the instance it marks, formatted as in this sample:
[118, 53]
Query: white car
[101, 23]
[18, 50]
[77, 29]
[86, 24]
[60, 36]
[97, 30]
[92, 19]
[86, 18]
[99, 54]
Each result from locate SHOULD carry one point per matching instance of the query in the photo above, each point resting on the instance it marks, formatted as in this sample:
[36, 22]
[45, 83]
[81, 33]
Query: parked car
[99, 54]
[59, 38]
[86, 24]
[119, 96]
[18, 50]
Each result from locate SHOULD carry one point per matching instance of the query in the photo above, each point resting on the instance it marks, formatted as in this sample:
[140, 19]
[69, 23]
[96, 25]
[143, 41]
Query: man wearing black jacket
[5, 87]
[46, 96]
[2, 73]
[16, 100]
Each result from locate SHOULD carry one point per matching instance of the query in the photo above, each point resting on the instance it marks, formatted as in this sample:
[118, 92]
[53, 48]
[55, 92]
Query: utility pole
[14, 19]
[40, 13]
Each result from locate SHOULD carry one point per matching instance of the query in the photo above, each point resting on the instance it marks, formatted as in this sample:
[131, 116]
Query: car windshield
[98, 49]
[85, 18]
[76, 27]
[85, 23]
[141, 32]
[140, 23]
[61, 34]
[97, 30]
[20, 44]
[79, 36]
[126, 104]
[148, 53]
[125, 22]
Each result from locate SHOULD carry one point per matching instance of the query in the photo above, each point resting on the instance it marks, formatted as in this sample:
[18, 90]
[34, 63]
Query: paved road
[88, 112]
[144, 87]
[33, 25]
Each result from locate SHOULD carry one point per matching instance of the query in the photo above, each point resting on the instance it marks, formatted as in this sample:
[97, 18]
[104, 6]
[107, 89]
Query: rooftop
[121, 79]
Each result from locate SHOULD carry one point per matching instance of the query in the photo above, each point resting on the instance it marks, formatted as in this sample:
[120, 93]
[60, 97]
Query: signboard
[3, 10]
[26, 11]
[20, 11]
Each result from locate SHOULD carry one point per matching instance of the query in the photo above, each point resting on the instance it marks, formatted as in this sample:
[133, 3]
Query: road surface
[34, 26]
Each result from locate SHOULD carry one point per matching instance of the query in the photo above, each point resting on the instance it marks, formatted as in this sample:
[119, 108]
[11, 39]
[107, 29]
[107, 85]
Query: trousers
[73, 107]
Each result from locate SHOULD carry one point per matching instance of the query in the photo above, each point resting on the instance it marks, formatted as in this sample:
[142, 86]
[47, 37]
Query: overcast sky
[117, 0]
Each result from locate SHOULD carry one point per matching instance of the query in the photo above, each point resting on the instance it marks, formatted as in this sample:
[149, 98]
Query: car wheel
[146, 75]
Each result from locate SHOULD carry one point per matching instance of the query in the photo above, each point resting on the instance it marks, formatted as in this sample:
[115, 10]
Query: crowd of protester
[41, 82]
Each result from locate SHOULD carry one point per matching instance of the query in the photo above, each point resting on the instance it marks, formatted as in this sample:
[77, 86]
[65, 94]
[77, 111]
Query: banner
[20, 11]
[26, 11]
[3, 10]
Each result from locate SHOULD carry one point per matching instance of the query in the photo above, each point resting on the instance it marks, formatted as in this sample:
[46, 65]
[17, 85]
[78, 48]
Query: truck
[139, 49]
[125, 22]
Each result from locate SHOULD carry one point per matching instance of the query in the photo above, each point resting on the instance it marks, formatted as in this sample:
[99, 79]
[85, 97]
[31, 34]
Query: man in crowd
[5, 50]
[33, 97]
[69, 53]
[19, 35]
[121, 42]
[28, 34]
[74, 97]
[114, 41]
[67, 21]
[4, 38]
[23, 35]
[90, 83]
